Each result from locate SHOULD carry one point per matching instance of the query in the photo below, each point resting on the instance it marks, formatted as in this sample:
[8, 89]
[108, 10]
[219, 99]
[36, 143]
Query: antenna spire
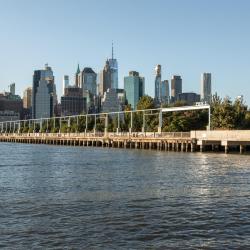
[112, 51]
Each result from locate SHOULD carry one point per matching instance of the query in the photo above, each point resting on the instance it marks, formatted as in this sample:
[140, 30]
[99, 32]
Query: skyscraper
[87, 81]
[27, 98]
[77, 84]
[176, 87]
[114, 70]
[188, 98]
[113, 100]
[105, 79]
[165, 92]
[65, 82]
[134, 86]
[158, 84]
[206, 92]
[44, 97]
[12, 88]
[72, 102]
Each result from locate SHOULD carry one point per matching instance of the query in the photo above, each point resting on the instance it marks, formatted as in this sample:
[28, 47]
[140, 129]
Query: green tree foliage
[247, 120]
[227, 114]
[145, 102]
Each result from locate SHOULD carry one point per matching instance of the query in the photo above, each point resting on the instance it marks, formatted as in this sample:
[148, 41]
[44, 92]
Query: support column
[177, 146]
[77, 123]
[41, 125]
[95, 126]
[60, 125]
[86, 125]
[192, 147]
[118, 124]
[143, 124]
[241, 149]
[106, 126]
[160, 122]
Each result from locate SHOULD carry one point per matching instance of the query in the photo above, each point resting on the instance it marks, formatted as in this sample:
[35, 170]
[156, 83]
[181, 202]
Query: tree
[145, 102]
[228, 115]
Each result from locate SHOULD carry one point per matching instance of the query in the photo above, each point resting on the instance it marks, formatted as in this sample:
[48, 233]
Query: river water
[54, 197]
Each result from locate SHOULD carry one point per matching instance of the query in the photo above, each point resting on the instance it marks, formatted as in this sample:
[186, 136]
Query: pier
[86, 133]
[227, 141]
[177, 141]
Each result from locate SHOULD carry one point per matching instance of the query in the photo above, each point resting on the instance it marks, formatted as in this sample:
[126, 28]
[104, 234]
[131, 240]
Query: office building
[134, 86]
[188, 98]
[8, 115]
[27, 99]
[72, 102]
[114, 70]
[12, 88]
[44, 97]
[158, 84]
[206, 88]
[65, 82]
[9, 102]
[78, 71]
[105, 79]
[164, 92]
[176, 87]
[111, 101]
[87, 81]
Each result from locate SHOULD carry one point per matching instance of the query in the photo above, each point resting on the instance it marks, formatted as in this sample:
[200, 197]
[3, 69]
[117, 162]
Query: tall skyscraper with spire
[113, 64]
[78, 71]
[105, 79]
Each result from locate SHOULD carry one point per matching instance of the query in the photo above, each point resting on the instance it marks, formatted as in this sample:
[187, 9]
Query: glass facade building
[158, 84]
[44, 97]
[134, 86]
[165, 92]
[114, 71]
[87, 80]
[206, 88]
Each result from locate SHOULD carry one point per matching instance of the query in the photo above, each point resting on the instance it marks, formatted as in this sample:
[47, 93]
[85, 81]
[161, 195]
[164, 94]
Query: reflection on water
[74, 197]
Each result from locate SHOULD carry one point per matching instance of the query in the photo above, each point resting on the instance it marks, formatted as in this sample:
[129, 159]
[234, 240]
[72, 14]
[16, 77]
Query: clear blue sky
[185, 37]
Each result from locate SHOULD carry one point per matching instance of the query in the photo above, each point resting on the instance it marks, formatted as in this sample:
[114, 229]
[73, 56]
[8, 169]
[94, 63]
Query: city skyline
[183, 47]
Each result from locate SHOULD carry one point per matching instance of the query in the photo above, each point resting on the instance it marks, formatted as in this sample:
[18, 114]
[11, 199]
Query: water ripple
[95, 198]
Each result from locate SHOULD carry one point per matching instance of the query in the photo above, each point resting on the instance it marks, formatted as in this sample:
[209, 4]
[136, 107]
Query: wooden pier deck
[238, 140]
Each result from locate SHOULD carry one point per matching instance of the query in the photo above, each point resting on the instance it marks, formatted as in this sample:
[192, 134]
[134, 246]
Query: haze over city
[186, 37]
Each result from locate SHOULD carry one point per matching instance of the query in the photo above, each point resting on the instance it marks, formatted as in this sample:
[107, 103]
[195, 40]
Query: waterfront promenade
[236, 140]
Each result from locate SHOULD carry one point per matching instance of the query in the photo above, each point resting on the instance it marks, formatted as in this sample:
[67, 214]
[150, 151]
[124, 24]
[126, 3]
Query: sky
[187, 37]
